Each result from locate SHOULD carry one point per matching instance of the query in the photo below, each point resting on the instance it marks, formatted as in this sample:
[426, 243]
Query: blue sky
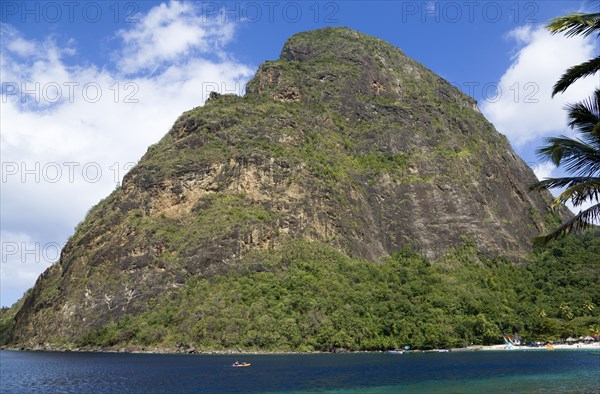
[88, 86]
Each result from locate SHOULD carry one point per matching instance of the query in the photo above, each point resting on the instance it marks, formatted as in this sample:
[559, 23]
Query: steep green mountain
[319, 210]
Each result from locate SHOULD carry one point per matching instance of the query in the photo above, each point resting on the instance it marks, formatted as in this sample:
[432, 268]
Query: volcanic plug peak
[343, 141]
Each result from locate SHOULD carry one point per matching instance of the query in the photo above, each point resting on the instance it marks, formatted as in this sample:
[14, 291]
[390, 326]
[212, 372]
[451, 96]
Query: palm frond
[579, 222]
[576, 156]
[551, 183]
[596, 130]
[585, 115]
[574, 73]
[575, 24]
[579, 193]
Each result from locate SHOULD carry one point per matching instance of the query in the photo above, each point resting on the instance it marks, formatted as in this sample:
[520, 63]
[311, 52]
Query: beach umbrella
[571, 339]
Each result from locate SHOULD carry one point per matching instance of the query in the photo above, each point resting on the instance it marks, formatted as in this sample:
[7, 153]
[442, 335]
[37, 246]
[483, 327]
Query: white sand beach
[562, 346]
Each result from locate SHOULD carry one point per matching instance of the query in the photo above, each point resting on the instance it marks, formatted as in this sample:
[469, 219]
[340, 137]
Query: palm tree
[573, 25]
[580, 157]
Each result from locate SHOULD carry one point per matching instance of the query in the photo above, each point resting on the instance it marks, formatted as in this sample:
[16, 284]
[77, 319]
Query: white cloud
[22, 261]
[167, 33]
[22, 47]
[544, 170]
[524, 108]
[77, 132]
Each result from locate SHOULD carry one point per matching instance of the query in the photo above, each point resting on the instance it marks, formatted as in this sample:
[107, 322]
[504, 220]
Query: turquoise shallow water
[475, 372]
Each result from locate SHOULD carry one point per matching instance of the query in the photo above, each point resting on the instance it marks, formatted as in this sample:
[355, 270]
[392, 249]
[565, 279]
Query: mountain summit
[343, 141]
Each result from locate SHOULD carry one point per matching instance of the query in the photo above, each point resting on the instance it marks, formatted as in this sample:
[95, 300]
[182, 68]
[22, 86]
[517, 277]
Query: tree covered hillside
[310, 297]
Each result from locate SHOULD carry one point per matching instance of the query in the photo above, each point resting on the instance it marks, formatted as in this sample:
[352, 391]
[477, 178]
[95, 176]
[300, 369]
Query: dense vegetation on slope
[7, 320]
[311, 297]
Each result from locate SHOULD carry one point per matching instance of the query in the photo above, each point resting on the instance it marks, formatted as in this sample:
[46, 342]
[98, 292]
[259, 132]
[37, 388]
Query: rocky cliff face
[343, 140]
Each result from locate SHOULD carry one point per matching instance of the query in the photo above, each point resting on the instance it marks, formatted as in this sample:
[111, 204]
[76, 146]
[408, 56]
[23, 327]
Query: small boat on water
[395, 351]
[236, 364]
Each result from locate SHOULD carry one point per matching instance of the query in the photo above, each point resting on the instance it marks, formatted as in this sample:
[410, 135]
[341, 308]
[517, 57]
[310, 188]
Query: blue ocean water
[459, 372]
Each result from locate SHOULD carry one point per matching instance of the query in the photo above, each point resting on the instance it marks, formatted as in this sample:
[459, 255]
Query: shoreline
[595, 346]
[560, 346]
